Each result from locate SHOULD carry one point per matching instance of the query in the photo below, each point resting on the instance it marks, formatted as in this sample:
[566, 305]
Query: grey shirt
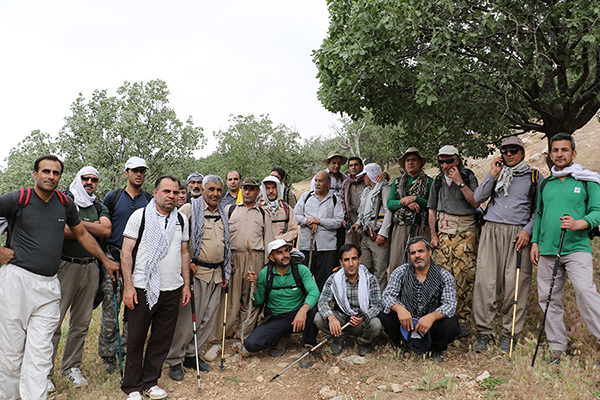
[450, 198]
[38, 232]
[331, 214]
[518, 208]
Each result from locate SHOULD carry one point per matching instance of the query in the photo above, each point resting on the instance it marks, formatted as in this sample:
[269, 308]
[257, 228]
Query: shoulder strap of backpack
[24, 196]
[149, 196]
[114, 199]
[269, 284]
[542, 184]
[230, 211]
[297, 278]
[64, 199]
[139, 239]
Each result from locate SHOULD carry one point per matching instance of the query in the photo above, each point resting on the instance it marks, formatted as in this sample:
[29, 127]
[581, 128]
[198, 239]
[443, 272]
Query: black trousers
[276, 326]
[323, 263]
[143, 370]
[443, 331]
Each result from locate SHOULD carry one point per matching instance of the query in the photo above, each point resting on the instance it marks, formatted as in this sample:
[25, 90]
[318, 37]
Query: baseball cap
[135, 162]
[372, 170]
[275, 244]
[250, 182]
[448, 150]
[417, 342]
[512, 141]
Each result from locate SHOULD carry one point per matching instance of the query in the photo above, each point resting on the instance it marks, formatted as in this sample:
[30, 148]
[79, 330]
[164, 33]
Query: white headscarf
[271, 205]
[82, 198]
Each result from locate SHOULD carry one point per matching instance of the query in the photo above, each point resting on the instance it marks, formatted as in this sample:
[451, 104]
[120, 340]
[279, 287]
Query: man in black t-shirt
[29, 305]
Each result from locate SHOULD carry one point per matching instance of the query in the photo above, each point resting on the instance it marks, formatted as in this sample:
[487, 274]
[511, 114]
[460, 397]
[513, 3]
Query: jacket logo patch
[577, 190]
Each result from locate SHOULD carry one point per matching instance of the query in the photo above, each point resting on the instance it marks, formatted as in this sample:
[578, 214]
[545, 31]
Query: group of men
[410, 259]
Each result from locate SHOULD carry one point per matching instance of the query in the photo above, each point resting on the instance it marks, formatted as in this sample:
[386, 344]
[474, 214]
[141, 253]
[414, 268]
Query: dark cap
[251, 182]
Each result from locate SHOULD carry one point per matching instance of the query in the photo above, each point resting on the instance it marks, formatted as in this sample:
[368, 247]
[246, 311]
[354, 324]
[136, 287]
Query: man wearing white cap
[289, 293]
[283, 217]
[121, 204]
[374, 219]
[79, 274]
[453, 226]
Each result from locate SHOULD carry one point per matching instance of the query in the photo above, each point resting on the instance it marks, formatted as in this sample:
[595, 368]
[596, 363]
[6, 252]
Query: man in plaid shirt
[357, 299]
[422, 290]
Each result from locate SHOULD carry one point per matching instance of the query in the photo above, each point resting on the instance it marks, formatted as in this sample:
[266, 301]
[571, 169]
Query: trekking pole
[115, 286]
[224, 323]
[310, 252]
[410, 234]
[249, 299]
[329, 337]
[512, 333]
[193, 300]
[554, 272]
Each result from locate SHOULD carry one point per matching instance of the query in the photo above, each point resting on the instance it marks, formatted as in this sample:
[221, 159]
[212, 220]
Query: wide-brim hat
[334, 154]
[416, 341]
[411, 150]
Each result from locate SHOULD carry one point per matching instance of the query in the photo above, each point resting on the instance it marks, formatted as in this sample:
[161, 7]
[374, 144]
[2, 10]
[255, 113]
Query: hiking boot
[437, 356]
[307, 361]
[176, 372]
[190, 362]
[337, 347]
[50, 388]
[555, 357]
[155, 393]
[364, 349]
[134, 396]
[505, 344]
[213, 353]
[76, 377]
[279, 348]
[483, 342]
[465, 329]
[110, 364]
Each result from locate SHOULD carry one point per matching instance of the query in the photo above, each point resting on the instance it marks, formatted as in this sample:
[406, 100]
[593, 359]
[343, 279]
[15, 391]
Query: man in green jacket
[569, 199]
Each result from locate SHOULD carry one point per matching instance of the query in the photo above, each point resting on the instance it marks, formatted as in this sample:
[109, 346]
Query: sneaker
[134, 396]
[309, 359]
[155, 393]
[76, 377]
[110, 364]
[176, 372]
[465, 329]
[245, 352]
[505, 344]
[337, 347]
[237, 346]
[213, 353]
[483, 342]
[555, 357]
[279, 349]
[437, 356]
[364, 349]
[190, 362]
[50, 388]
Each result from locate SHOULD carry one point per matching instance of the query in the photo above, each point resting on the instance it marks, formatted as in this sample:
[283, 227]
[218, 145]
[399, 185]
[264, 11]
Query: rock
[481, 377]
[382, 387]
[337, 398]
[282, 365]
[232, 359]
[535, 158]
[462, 376]
[260, 379]
[354, 359]
[327, 393]
[170, 390]
[334, 370]
[449, 375]
[370, 380]
[396, 388]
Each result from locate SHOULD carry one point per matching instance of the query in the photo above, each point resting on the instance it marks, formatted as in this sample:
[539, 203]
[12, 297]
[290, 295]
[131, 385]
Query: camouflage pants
[458, 255]
[107, 338]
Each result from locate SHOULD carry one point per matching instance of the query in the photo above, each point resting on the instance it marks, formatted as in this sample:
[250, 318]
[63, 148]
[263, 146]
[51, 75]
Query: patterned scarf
[346, 191]
[158, 242]
[505, 177]
[368, 201]
[403, 216]
[339, 290]
[197, 230]
[431, 292]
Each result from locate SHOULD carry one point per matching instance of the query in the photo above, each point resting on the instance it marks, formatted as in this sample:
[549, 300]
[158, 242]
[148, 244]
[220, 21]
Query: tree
[462, 72]
[106, 130]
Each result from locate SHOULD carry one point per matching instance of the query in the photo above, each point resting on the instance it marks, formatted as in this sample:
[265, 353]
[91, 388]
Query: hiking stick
[250, 299]
[329, 337]
[554, 272]
[224, 324]
[193, 300]
[410, 234]
[512, 333]
[115, 287]
[310, 252]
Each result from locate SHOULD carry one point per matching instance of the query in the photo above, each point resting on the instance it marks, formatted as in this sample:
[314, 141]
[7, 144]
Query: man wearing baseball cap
[453, 226]
[287, 289]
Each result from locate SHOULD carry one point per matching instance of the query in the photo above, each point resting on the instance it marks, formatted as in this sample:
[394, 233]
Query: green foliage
[460, 72]
[491, 383]
[443, 382]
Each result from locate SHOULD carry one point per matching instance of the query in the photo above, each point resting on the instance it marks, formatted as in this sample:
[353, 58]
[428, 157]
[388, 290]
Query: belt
[75, 260]
[207, 265]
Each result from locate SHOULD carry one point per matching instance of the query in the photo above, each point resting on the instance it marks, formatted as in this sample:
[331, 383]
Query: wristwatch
[462, 184]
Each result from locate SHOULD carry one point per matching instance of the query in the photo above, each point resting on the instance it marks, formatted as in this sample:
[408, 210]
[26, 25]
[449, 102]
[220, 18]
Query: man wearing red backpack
[30, 300]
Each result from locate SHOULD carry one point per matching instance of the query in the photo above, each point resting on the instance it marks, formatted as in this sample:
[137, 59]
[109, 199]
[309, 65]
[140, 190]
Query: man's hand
[414, 207]
[313, 223]
[435, 241]
[354, 227]
[334, 325]
[251, 276]
[130, 296]
[405, 318]
[6, 255]
[113, 269]
[496, 166]
[522, 239]
[193, 268]
[382, 176]
[186, 295]
[454, 174]
[381, 242]
[568, 222]
[405, 201]
[535, 253]
[223, 283]
[425, 323]
[356, 321]
[300, 319]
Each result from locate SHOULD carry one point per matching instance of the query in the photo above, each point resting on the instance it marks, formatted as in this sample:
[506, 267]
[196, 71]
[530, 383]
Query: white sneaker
[50, 388]
[76, 377]
[155, 393]
[237, 346]
[213, 353]
[245, 353]
[134, 396]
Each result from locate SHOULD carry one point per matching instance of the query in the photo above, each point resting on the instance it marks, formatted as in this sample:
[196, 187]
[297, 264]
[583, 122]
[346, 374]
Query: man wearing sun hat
[409, 194]
[334, 162]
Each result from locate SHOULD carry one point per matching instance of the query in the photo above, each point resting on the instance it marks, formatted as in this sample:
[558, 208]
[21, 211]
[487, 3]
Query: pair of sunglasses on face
[511, 150]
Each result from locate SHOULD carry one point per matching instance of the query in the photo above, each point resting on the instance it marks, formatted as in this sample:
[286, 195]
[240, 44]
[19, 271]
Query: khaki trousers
[376, 259]
[497, 274]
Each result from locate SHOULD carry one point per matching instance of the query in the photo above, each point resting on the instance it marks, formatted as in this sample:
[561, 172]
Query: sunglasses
[89, 178]
[511, 150]
[448, 161]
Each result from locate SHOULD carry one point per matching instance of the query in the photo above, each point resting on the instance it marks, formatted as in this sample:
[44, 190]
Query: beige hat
[512, 141]
[334, 154]
[411, 150]
[448, 150]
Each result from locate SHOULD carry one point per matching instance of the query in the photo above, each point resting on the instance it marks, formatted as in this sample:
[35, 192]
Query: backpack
[286, 208]
[294, 260]
[593, 232]
[313, 192]
[24, 196]
[116, 195]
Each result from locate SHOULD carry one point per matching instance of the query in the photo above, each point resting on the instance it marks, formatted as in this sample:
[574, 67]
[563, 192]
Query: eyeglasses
[511, 150]
[89, 178]
[446, 161]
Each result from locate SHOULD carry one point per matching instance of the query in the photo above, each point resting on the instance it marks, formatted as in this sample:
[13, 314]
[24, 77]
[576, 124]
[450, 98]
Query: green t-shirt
[71, 247]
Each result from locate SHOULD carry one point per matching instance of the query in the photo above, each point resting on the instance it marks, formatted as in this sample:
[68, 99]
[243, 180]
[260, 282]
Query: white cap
[135, 162]
[372, 170]
[276, 244]
[448, 150]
